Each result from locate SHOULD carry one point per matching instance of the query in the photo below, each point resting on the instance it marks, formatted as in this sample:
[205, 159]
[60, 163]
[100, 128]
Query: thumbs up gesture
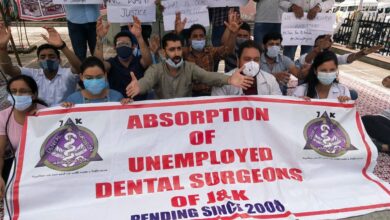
[133, 88]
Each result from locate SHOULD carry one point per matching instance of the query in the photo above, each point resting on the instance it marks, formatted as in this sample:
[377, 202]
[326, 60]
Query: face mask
[124, 52]
[240, 40]
[49, 65]
[198, 44]
[273, 51]
[251, 69]
[326, 78]
[22, 102]
[171, 63]
[95, 86]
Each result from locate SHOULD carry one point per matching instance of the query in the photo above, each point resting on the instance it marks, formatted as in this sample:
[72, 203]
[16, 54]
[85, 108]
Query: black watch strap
[62, 46]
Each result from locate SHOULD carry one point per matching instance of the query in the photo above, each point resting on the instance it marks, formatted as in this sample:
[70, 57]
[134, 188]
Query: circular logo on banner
[327, 137]
[69, 148]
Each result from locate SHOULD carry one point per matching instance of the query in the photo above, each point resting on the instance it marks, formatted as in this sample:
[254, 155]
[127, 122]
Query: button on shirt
[56, 90]
[81, 14]
[266, 85]
[306, 5]
[335, 91]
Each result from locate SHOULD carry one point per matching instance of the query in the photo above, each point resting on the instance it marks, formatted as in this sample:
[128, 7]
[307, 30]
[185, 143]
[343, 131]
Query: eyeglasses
[21, 92]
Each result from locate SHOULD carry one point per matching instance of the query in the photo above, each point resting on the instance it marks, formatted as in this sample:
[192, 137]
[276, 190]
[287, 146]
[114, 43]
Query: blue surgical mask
[49, 65]
[170, 62]
[22, 102]
[327, 78]
[273, 51]
[95, 86]
[124, 52]
[198, 44]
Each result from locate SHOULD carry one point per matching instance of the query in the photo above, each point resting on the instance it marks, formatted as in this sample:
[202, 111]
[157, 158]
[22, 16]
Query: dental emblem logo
[69, 148]
[327, 137]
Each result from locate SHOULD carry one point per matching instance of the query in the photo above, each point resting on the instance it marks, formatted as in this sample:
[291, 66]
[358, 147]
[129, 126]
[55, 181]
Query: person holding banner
[204, 56]
[82, 27]
[249, 58]
[119, 67]
[23, 95]
[299, 7]
[96, 90]
[174, 77]
[54, 82]
[322, 83]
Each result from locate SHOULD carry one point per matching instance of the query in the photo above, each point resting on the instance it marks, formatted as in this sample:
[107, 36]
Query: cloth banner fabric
[303, 31]
[197, 158]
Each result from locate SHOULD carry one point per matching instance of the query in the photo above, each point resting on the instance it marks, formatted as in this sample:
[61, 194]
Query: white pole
[360, 5]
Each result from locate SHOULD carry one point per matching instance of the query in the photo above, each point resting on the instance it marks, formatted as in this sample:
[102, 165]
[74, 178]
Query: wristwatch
[62, 46]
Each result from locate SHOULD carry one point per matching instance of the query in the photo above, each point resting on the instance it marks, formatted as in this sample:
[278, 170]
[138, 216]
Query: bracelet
[62, 46]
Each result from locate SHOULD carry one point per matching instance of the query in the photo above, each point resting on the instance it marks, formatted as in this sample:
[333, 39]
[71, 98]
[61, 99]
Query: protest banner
[36, 10]
[79, 2]
[196, 12]
[226, 3]
[197, 158]
[304, 31]
[122, 11]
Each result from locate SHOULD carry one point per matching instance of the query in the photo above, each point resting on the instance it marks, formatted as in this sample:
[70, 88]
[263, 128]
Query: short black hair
[170, 37]
[319, 38]
[196, 27]
[30, 83]
[272, 36]
[125, 34]
[245, 26]
[48, 46]
[247, 44]
[91, 62]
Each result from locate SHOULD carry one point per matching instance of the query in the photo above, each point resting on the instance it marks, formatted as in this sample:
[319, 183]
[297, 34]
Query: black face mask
[124, 52]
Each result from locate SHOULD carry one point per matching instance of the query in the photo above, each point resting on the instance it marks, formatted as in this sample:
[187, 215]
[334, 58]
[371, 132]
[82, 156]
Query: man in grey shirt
[173, 77]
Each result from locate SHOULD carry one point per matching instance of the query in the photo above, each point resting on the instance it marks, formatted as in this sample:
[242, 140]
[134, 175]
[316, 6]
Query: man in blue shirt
[82, 27]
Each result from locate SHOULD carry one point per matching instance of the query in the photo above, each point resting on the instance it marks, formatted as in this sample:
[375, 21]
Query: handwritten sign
[304, 31]
[196, 12]
[73, 2]
[119, 11]
[224, 3]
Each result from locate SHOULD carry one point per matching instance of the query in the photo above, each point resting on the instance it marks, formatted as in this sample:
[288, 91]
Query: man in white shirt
[248, 61]
[54, 82]
[299, 7]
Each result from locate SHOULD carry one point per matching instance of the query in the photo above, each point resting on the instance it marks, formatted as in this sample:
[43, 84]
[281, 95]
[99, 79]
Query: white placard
[304, 31]
[78, 2]
[225, 3]
[121, 11]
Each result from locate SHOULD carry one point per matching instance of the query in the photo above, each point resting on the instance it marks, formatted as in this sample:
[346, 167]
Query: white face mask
[273, 51]
[252, 68]
[327, 78]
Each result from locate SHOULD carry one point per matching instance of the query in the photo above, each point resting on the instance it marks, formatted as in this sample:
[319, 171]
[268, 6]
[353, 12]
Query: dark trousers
[7, 169]
[82, 35]
[378, 127]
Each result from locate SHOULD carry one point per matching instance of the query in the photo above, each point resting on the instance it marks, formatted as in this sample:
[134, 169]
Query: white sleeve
[343, 59]
[300, 91]
[346, 91]
[326, 5]
[302, 59]
[285, 5]
[275, 88]
[29, 72]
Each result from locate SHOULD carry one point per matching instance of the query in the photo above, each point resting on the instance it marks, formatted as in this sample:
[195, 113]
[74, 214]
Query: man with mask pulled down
[118, 68]
[248, 58]
[174, 77]
[55, 83]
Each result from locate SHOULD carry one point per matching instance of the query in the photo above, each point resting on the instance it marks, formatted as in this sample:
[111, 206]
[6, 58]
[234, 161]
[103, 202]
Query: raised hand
[136, 28]
[179, 24]
[5, 35]
[54, 38]
[282, 77]
[101, 29]
[298, 11]
[325, 43]
[313, 12]
[239, 80]
[343, 98]
[133, 88]
[234, 21]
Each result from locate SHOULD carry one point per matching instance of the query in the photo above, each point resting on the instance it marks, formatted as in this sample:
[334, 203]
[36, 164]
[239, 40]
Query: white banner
[226, 3]
[37, 10]
[196, 12]
[304, 31]
[78, 2]
[199, 158]
[122, 11]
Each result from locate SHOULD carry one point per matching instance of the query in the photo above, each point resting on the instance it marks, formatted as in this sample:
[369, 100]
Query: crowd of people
[183, 65]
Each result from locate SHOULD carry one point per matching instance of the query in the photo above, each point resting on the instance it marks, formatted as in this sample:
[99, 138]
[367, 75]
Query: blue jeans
[290, 50]
[81, 35]
[261, 29]
[216, 35]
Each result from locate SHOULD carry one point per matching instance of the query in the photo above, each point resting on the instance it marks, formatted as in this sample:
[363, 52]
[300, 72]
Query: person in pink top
[23, 96]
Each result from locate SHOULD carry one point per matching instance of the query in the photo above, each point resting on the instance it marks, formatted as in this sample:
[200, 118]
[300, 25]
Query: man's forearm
[145, 52]
[6, 63]
[98, 52]
[72, 58]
